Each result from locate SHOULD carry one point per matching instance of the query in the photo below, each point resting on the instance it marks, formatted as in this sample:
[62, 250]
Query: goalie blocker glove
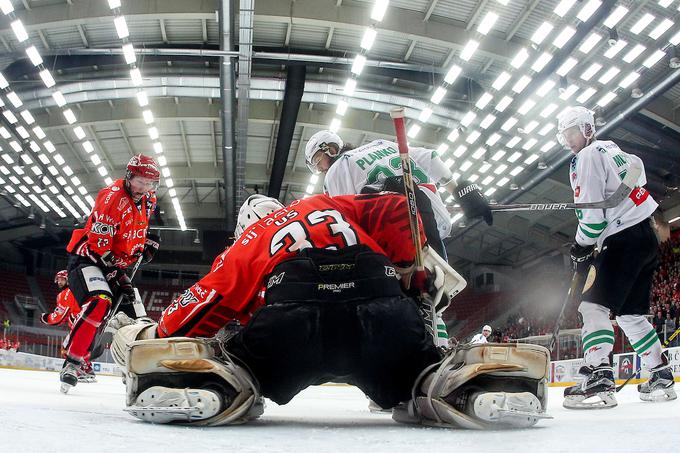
[473, 203]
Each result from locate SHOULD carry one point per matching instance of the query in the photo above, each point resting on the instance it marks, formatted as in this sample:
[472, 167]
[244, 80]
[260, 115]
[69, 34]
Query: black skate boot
[659, 387]
[69, 374]
[598, 382]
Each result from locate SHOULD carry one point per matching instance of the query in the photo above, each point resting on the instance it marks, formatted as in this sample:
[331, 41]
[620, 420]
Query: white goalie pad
[482, 387]
[447, 282]
[173, 365]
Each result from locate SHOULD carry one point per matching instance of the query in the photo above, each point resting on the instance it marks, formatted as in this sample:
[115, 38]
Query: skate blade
[517, 410]
[659, 396]
[175, 405]
[65, 388]
[606, 400]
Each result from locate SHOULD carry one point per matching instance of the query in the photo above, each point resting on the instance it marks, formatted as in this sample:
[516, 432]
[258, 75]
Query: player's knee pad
[634, 325]
[595, 318]
[86, 281]
[481, 387]
[187, 370]
[590, 310]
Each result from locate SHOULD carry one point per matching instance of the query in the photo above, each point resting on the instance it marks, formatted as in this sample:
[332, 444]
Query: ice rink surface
[36, 417]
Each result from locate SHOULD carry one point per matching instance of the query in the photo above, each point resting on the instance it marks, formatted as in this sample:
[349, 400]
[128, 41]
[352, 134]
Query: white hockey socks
[643, 338]
[597, 333]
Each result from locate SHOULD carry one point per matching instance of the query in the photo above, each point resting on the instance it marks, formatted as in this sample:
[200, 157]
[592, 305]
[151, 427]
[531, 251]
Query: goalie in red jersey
[315, 289]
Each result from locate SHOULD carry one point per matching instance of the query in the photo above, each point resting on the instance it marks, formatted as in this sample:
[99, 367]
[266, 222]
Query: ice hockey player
[66, 311]
[376, 166]
[315, 287]
[113, 238]
[481, 338]
[620, 276]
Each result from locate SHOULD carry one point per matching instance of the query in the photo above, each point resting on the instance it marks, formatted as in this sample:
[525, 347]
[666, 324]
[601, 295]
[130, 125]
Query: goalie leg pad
[509, 382]
[168, 377]
[127, 331]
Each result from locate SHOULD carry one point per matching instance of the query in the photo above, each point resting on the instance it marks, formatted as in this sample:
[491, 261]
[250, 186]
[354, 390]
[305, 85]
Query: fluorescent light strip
[642, 23]
[589, 43]
[615, 16]
[588, 9]
[503, 103]
[564, 36]
[615, 49]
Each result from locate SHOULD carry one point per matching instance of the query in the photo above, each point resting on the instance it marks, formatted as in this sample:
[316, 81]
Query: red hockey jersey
[116, 224]
[66, 310]
[233, 288]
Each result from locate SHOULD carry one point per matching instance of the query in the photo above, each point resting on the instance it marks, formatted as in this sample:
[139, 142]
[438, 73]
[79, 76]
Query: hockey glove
[126, 288]
[151, 245]
[581, 256]
[473, 203]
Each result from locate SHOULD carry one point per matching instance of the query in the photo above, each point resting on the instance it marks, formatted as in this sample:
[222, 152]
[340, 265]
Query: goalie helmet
[321, 141]
[254, 208]
[575, 116]
[61, 274]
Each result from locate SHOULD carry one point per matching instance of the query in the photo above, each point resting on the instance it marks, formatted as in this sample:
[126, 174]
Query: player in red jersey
[66, 311]
[113, 238]
[316, 289]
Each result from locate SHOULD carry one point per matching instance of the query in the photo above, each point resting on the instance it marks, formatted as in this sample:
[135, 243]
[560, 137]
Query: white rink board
[36, 417]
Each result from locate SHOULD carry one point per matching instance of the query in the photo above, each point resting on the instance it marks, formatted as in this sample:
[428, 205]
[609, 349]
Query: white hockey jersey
[370, 164]
[478, 339]
[595, 174]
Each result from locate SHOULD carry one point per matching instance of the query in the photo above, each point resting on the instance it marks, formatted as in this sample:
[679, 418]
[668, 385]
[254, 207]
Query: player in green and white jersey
[620, 276]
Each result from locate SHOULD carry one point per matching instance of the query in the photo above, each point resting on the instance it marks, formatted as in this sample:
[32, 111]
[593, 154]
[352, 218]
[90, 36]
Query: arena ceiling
[481, 82]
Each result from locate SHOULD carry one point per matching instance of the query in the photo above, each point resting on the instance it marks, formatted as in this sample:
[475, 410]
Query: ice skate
[69, 375]
[165, 405]
[598, 383]
[86, 373]
[660, 385]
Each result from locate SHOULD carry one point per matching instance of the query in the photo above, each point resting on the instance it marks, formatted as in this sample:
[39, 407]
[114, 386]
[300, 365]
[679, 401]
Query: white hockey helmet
[254, 208]
[320, 142]
[486, 328]
[575, 116]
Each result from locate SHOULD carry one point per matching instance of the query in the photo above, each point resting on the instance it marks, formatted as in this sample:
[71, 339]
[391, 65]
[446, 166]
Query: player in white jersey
[376, 166]
[620, 275]
[481, 338]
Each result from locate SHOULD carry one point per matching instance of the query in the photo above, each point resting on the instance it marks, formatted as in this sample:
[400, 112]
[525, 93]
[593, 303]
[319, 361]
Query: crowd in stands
[9, 344]
[665, 297]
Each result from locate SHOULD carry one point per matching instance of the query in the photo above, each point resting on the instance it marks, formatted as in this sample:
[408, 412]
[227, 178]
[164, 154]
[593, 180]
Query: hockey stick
[397, 115]
[628, 185]
[575, 290]
[96, 351]
[665, 343]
